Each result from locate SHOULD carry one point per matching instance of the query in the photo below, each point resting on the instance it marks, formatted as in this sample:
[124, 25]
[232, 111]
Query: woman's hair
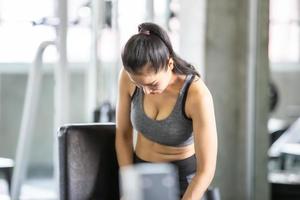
[152, 46]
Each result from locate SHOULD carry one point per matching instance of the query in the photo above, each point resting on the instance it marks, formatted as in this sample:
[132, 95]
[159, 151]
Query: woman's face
[151, 82]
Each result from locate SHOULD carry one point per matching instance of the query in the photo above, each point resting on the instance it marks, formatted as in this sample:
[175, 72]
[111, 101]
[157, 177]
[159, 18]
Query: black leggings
[186, 170]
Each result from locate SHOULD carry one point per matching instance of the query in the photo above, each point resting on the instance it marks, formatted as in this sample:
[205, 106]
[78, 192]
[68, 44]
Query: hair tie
[143, 31]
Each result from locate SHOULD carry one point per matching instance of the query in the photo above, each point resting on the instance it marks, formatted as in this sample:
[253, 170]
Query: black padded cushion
[281, 191]
[87, 162]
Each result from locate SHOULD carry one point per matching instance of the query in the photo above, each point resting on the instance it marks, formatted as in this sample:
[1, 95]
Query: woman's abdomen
[154, 152]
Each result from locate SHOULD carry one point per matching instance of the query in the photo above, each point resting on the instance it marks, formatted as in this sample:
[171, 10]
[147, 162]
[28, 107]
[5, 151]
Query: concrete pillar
[236, 71]
[261, 139]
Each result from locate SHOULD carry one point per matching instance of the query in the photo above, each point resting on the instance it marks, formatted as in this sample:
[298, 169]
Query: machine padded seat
[87, 162]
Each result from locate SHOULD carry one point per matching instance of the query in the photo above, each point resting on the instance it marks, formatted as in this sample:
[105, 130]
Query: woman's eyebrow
[144, 84]
[151, 83]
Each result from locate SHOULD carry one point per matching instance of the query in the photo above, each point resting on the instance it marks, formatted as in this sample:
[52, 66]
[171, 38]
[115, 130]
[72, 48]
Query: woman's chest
[159, 107]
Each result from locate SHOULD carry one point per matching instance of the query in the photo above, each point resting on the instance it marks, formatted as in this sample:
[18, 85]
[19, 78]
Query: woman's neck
[176, 81]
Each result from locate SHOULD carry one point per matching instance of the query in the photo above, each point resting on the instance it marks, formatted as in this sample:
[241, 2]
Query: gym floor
[33, 189]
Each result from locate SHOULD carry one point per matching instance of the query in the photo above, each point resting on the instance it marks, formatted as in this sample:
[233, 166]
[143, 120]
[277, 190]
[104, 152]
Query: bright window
[19, 38]
[284, 42]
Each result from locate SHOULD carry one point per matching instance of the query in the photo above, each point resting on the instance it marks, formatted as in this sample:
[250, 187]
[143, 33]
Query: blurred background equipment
[105, 113]
[148, 181]
[284, 164]
[6, 169]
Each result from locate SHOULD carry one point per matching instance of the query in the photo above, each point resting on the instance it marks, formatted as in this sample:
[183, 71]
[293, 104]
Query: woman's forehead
[146, 75]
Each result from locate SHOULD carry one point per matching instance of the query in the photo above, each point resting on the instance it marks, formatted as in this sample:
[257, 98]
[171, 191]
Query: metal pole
[61, 78]
[118, 63]
[251, 102]
[27, 123]
[92, 74]
[61, 70]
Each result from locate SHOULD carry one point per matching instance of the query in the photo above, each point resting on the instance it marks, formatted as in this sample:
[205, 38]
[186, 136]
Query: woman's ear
[170, 64]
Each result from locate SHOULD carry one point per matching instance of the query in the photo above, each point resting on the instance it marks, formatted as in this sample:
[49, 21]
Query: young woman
[163, 98]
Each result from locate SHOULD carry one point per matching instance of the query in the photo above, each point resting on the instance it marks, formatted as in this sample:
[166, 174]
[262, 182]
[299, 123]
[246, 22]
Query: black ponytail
[152, 45]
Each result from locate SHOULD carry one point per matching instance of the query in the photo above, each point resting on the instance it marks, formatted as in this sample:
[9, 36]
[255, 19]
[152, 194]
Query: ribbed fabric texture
[175, 130]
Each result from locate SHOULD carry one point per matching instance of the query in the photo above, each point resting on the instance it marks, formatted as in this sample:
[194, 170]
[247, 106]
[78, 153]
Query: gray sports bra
[175, 130]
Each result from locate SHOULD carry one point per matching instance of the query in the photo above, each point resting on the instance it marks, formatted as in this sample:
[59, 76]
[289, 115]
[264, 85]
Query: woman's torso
[159, 107]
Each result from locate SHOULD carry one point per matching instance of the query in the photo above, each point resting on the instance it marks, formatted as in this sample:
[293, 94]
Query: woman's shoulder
[125, 83]
[198, 91]
[198, 98]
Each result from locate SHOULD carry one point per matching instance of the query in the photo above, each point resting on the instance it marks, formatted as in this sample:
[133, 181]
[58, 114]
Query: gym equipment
[87, 162]
[88, 166]
[284, 186]
[6, 167]
[148, 181]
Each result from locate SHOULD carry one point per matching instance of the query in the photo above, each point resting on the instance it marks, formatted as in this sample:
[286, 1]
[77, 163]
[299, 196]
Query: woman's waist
[155, 152]
[185, 167]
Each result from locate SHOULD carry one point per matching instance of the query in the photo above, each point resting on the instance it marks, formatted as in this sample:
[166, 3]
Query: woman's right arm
[124, 130]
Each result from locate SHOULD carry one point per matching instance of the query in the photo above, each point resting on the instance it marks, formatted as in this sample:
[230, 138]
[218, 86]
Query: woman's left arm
[199, 107]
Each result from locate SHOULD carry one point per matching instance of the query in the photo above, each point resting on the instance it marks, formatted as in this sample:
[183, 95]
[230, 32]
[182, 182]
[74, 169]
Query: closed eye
[153, 84]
